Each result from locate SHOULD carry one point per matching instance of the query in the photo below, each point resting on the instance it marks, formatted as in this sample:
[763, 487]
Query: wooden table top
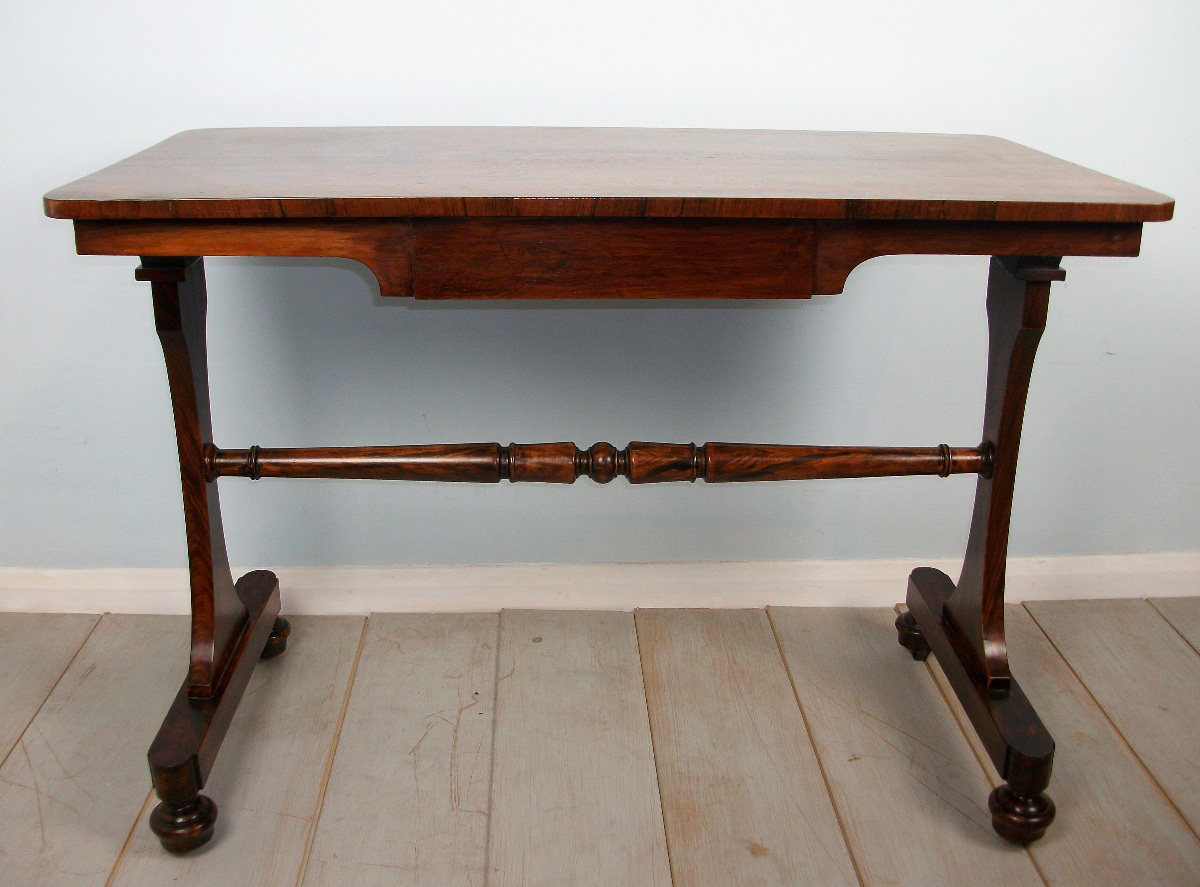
[392, 172]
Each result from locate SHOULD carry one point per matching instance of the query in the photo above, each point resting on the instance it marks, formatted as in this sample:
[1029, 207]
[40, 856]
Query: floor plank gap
[777, 747]
[1114, 824]
[141, 817]
[267, 780]
[1124, 684]
[743, 798]
[913, 795]
[654, 750]
[1175, 612]
[487, 829]
[964, 725]
[337, 735]
[820, 762]
[407, 794]
[12, 708]
[575, 797]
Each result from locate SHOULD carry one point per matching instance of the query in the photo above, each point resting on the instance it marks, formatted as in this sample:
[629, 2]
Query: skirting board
[362, 590]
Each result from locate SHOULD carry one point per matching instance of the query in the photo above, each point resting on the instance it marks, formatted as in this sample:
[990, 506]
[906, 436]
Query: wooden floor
[688, 747]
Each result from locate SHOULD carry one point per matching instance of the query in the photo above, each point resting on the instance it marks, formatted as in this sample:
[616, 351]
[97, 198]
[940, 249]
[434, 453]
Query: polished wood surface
[535, 171]
[553, 253]
[562, 463]
[1017, 301]
[273, 773]
[1010, 730]
[180, 318]
[611, 259]
[185, 749]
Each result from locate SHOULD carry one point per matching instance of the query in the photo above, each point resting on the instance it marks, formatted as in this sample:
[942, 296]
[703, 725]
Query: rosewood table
[454, 213]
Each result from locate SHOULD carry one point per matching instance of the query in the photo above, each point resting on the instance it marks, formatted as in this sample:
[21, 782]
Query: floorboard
[1184, 615]
[408, 795]
[268, 776]
[574, 796]
[1145, 677]
[743, 796]
[535, 749]
[75, 784]
[1114, 826]
[911, 795]
[35, 650]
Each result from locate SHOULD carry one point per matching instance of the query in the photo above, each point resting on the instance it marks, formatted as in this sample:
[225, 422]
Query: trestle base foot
[1019, 819]
[1011, 731]
[184, 827]
[910, 636]
[277, 642]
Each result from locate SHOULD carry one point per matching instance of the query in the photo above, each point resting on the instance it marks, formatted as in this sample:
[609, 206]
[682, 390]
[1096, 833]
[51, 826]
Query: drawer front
[513, 258]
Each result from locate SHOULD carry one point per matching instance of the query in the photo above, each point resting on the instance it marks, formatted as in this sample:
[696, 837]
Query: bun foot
[1019, 819]
[184, 827]
[277, 642]
[910, 636]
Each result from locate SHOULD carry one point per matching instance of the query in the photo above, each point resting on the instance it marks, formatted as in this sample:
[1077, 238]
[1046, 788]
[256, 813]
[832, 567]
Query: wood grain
[180, 318]
[1114, 826]
[383, 245]
[407, 801]
[268, 783]
[844, 245]
[75, 784]
[35, 650]
[611, 259]
[742, 792]
[1145, 677]
[563, 463]
[1018, 298]
[1184, 615]
[911, 796]
[539, 171]
[574, 795]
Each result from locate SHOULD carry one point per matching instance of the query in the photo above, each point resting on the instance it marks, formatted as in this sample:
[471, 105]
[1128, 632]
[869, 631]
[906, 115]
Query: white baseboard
[361, 590]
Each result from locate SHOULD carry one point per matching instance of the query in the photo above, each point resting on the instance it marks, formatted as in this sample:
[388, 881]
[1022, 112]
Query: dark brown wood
[552, 463]
[650, 463]
[653, 173]
[232, 625]
[277, 642]
[611, 259]
[910, 636]
[472, 462]
[645, 259]
[843, 245]
[1017, 301]
[1015, 737]
[562, 463]
[383, 245]
[741, 462]
[186, 746]
[180, 307]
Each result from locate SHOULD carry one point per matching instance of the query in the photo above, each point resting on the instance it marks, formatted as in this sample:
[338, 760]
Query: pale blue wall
[305, 352]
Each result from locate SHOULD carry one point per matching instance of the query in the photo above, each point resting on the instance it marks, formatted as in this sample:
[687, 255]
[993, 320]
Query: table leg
[232, 624]
[963, 624]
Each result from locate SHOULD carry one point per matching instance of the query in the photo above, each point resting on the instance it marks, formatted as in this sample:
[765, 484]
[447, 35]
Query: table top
[391, 172]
